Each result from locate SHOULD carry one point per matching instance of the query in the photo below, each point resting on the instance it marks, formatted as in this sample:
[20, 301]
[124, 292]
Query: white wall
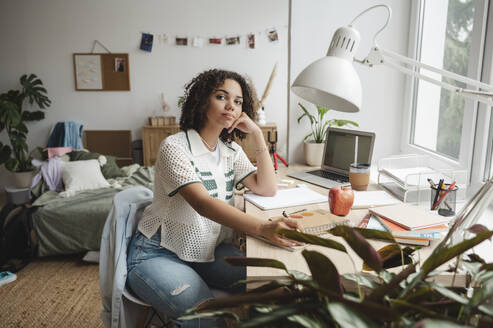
[313, 23]
[41, 36]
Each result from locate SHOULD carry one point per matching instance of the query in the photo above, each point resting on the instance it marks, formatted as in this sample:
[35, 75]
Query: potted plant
[314, 148]
[13, 118]
[405, 298]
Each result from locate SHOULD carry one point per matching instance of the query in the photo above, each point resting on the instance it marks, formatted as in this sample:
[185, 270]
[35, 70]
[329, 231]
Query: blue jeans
[158, 277]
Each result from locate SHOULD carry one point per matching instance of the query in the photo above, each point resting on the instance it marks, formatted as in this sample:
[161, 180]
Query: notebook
[287, 198]
[318, 221]
[409, 217]
[399, 231]
[365, 199]
[402, 237]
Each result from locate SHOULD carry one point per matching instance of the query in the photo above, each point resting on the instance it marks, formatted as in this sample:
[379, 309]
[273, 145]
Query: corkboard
[101, 72]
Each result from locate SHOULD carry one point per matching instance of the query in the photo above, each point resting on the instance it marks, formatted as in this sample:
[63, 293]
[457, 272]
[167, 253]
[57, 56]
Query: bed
[68, 225]
[74, 224]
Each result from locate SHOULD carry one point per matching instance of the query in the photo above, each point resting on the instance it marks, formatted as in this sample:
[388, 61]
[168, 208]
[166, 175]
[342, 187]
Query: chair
[129, 296]
[121, 224]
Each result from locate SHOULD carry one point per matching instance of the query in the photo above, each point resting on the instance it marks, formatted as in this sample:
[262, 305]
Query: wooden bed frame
[116, 143]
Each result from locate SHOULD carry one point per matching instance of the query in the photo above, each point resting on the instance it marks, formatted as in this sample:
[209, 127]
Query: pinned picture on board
[233, 40]
[119, 64]
[215, 41]
[181, 41]
[272, 35]
[146, 42]
[251, 41]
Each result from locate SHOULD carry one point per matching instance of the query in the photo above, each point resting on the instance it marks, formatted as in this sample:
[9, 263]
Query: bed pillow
[82, 175]
[110, 170]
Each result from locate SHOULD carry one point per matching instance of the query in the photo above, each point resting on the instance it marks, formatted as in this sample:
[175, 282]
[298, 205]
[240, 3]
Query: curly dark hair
[196, 101]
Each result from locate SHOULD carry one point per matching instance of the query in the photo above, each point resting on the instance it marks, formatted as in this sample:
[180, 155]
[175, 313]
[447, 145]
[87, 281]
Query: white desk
[295, 260]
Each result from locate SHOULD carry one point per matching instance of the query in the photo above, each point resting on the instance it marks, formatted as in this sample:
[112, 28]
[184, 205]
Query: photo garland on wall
[147, 38]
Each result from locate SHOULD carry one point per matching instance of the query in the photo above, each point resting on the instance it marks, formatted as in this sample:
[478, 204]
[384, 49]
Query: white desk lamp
[332, 82]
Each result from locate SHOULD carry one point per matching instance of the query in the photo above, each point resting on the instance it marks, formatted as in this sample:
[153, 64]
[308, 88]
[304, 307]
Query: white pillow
[82, 175]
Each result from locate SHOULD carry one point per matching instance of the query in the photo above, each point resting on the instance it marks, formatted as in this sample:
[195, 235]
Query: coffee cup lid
[360, 165]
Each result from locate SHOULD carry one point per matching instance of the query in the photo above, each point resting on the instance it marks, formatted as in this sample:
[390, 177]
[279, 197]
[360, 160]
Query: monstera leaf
[12, 119]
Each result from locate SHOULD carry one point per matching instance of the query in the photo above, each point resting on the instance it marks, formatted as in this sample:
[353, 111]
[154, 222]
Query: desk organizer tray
[406, 176]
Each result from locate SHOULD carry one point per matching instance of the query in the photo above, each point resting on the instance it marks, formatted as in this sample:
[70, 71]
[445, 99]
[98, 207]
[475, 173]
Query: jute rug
[57, 292]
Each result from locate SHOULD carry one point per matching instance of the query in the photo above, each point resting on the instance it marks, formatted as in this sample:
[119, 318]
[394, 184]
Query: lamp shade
[332, 81]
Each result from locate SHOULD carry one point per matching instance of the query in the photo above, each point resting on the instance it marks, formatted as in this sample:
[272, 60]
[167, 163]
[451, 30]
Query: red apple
[340, 200]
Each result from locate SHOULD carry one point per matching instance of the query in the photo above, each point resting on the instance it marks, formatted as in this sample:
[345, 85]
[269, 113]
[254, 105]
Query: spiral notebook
[318, 221]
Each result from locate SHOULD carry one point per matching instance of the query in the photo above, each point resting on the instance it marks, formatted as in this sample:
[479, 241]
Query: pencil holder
[444, 200]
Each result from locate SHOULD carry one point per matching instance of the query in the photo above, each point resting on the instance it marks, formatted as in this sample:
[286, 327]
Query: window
[451, 35]
[446, 29]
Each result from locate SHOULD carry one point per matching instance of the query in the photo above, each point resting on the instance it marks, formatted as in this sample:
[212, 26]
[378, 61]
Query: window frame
[476, 122]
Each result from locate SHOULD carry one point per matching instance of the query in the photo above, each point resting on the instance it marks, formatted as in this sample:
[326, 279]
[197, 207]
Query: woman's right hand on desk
[268, 230]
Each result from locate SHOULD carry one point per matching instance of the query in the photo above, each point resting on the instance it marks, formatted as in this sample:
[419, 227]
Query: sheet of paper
[88, 72]
[287, 198]
[374, 224]
[365, 199]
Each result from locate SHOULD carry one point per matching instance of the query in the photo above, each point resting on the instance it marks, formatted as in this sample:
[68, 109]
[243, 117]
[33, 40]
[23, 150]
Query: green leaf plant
[399, 298]
[13, 119]
[319, 126]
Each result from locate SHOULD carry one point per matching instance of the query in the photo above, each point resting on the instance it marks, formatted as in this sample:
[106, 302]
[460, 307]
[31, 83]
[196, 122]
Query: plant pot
[22, 179]
[313, 153]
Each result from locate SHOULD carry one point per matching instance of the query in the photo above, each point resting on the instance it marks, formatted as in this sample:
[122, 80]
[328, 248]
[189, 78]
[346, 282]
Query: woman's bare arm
[200, 200]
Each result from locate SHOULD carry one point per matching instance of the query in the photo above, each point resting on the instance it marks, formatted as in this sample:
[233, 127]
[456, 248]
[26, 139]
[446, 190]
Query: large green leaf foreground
[404, 299]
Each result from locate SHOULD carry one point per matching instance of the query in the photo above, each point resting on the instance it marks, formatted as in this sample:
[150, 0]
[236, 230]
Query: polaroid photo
[215, 41]
[198, 42]
[181, 41]
[233, 40]
[146, 42]
[272, 35]
[251, 41]
[119, 64]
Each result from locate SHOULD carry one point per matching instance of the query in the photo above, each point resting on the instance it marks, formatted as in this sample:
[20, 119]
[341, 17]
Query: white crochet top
[183, 159]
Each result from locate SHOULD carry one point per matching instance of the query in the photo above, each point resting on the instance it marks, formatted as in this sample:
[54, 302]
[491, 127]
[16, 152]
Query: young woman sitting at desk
[178, 251]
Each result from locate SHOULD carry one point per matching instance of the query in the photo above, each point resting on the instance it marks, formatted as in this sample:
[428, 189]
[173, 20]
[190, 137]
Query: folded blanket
[66, 134]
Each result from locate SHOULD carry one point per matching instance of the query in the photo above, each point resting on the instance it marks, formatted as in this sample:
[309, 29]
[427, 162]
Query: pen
[286, 215]
[449, 189]
[439, 187]
[434, 187]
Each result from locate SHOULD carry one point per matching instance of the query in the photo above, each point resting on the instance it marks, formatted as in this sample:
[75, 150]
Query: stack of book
[408, 224]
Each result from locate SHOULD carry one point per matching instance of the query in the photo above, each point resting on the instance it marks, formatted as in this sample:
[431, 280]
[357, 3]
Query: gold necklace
[211, 148]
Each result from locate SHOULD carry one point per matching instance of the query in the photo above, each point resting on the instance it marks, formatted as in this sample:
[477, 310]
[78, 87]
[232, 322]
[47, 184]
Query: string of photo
[148, 39]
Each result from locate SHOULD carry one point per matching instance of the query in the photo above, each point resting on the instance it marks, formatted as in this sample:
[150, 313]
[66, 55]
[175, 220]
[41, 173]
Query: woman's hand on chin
[245, 124]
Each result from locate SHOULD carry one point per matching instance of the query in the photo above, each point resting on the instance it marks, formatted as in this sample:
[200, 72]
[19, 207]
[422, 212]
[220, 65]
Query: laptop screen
[339, 149]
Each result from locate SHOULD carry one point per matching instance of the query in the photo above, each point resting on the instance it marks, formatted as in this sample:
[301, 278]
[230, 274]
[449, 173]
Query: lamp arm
[379, 56]
[454, 76]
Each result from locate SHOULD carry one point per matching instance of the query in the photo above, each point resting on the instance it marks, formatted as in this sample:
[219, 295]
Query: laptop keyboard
[329, 175]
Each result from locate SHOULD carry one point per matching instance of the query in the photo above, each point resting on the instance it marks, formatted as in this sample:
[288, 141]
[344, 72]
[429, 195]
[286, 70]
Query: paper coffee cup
[359, 176]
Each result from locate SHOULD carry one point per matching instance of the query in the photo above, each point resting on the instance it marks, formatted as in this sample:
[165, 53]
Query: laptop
[338, 155]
